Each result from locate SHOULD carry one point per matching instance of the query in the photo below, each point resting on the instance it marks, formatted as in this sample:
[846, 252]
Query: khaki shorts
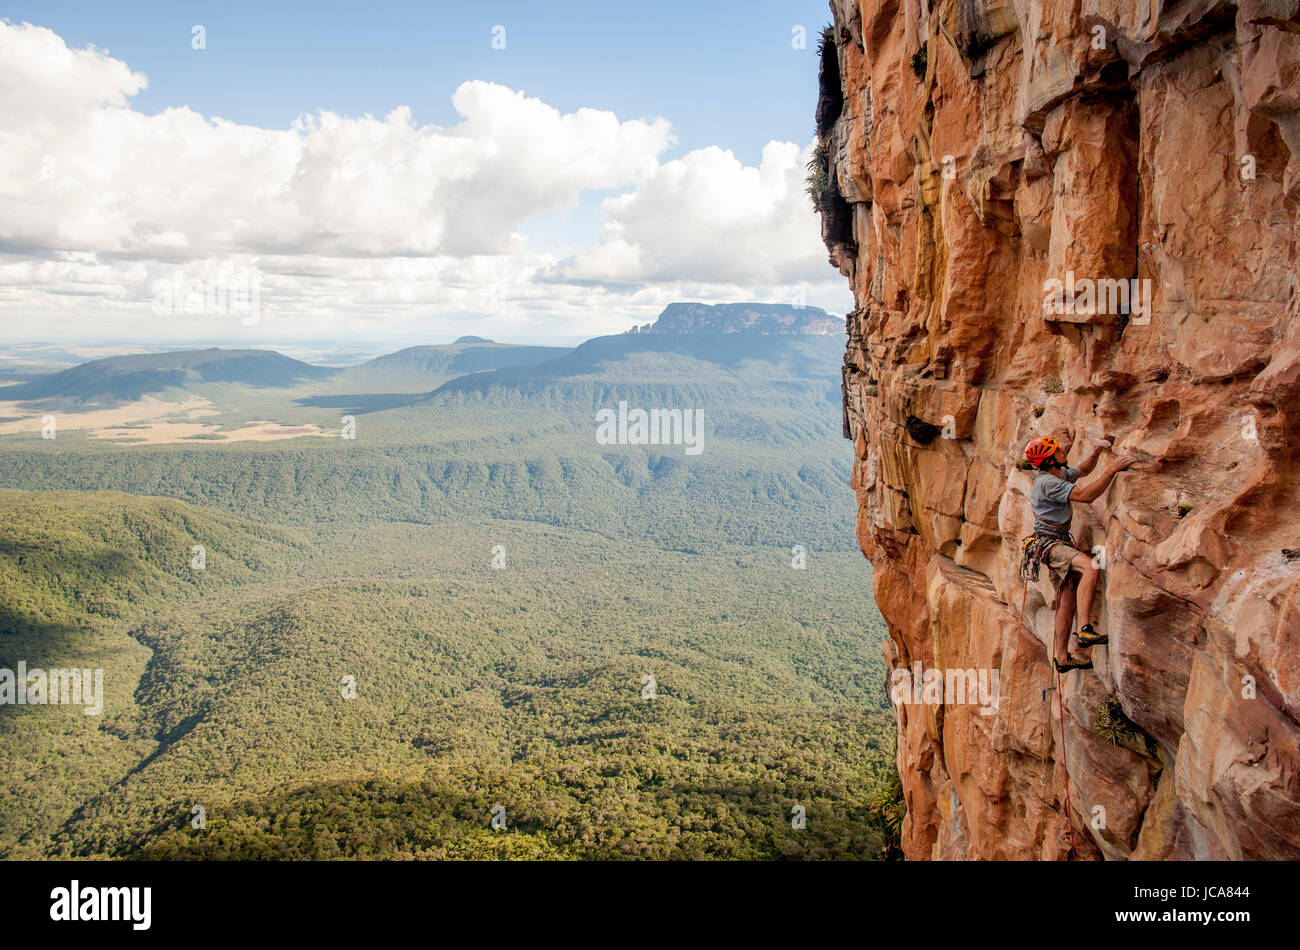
[1057, 564]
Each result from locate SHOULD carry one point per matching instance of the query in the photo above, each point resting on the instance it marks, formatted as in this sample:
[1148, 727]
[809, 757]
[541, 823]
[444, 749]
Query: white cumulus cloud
[708, 217]
[368, 222]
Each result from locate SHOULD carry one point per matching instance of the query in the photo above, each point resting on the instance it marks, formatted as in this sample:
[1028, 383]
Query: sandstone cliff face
[975, 151]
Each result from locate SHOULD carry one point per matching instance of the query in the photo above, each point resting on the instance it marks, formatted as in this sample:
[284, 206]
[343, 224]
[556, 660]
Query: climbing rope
[1011, 682]
[1065, 765]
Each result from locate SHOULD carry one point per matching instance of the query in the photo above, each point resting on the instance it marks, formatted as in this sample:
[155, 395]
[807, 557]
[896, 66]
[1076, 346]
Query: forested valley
[469, 631]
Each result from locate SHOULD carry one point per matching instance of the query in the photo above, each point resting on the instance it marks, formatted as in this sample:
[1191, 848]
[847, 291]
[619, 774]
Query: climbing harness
[1033, 549]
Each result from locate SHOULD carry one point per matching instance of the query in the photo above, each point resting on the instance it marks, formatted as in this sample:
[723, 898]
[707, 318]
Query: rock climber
[1055, 487]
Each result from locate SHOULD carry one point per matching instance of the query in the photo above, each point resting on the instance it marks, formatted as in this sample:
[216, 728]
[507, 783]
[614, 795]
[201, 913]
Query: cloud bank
[365, 225]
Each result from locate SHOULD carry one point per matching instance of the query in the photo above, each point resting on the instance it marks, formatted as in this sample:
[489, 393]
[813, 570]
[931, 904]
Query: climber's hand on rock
[1101, 444]
[1124, 461]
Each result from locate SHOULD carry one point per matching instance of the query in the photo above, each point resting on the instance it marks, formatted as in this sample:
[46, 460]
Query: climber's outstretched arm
[1089, 463]
[1097, 487]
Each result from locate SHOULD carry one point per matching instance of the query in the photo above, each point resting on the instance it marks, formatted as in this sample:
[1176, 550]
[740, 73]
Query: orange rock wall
[981, 149]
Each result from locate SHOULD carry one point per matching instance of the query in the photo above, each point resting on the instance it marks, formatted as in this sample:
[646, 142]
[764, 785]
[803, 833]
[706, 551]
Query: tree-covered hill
[458, 358]
[126, 378]
[748, 360]
[522, 686]
[77, 571]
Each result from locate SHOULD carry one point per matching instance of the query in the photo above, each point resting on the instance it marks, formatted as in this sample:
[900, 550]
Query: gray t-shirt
[1050, 496]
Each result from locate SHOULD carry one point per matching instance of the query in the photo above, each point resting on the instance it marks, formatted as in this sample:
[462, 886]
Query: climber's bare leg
[1064, 618]
[1088, 574]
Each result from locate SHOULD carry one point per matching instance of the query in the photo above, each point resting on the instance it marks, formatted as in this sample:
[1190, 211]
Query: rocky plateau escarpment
[1078, 215]
[742, 318]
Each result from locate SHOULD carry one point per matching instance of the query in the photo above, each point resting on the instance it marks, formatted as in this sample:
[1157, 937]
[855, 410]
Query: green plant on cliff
[887, 808]
[818, 179]
[920, 61]
[826, 39]
[1111, 724]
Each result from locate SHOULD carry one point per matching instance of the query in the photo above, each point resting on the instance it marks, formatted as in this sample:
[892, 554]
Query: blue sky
[723, 72]
[725, 75]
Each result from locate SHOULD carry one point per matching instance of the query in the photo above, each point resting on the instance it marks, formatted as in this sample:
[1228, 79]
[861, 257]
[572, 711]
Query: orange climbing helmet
[1041, 449]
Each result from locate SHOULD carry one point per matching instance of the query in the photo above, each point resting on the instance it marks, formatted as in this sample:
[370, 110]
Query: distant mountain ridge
[467, 355]
[743, 318]
[119, 379]
[661, 360]
[128, 378]
[471, 363]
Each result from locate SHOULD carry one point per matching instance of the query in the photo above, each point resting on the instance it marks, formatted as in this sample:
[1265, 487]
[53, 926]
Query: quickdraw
[1033, 549]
